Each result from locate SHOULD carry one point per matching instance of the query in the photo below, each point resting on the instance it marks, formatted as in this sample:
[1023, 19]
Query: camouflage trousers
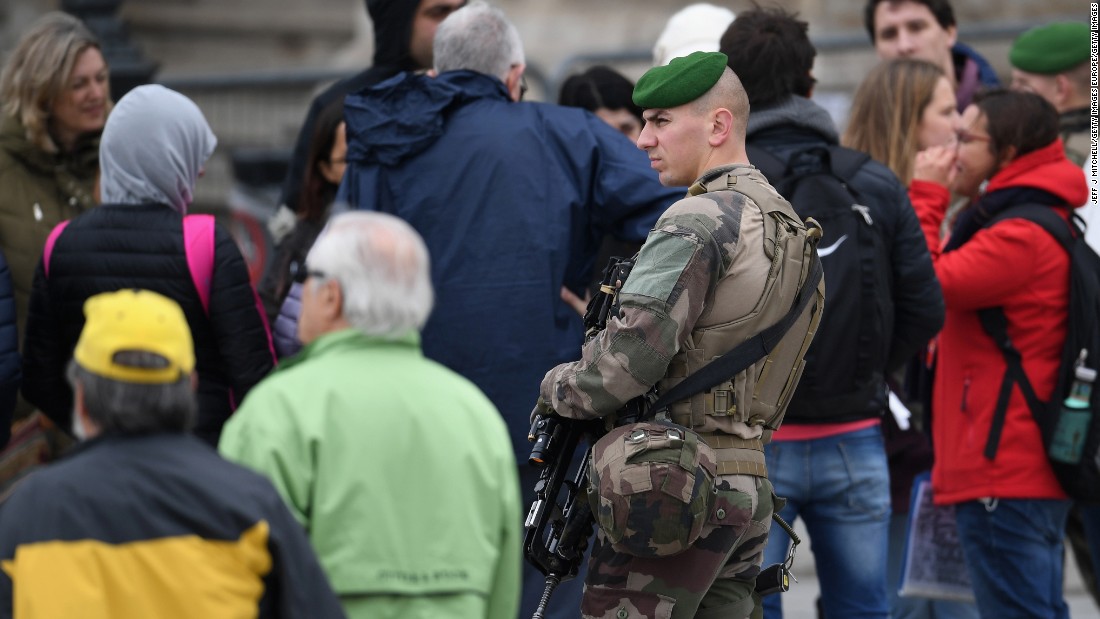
[713, 578]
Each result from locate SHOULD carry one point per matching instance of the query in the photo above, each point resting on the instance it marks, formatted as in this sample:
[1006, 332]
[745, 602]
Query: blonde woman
[55, 98]
[904, 107]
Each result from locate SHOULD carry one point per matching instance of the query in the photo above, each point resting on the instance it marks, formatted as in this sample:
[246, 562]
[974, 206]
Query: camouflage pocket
[607, 603]
[651, 488]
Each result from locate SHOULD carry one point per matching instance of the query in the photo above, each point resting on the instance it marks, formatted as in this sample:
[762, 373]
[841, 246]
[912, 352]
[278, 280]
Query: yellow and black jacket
[155, 526]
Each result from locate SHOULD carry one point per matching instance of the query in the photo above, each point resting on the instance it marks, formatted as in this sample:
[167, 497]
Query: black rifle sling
[995, 323]
[745, 354]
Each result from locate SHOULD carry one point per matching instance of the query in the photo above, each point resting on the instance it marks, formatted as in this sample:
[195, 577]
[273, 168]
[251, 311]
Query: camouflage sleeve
[685, 254]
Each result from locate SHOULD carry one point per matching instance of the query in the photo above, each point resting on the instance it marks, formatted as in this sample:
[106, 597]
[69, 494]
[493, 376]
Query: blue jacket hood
[404, 115]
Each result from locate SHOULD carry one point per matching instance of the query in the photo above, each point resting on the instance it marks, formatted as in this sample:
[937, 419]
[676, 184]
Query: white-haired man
[142, 519]
[380, 452]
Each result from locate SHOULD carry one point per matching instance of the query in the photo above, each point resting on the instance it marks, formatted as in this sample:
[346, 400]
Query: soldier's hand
[542, 409]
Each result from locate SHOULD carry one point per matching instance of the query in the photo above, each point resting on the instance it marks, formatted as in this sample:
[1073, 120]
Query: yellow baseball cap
[135, 321]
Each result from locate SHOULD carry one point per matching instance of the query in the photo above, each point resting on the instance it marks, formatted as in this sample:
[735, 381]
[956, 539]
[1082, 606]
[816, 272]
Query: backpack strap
[1046, 217]
[995, 323]
[198, 245]
[845, 162]
[748, 352]
[51, 240]
[773, 168]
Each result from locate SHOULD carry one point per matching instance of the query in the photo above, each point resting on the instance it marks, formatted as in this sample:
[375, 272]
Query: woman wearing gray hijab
[152, 151]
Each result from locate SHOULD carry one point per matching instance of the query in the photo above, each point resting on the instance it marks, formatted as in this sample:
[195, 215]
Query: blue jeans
[840, 487]
[1090, 515]
[1013, 550]
[916, 607]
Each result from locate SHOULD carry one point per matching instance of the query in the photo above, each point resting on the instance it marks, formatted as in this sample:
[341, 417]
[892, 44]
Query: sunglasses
[969, 138]
[300, 272]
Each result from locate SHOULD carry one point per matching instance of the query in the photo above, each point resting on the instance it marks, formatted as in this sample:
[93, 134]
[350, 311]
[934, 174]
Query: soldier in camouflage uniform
[720, 265]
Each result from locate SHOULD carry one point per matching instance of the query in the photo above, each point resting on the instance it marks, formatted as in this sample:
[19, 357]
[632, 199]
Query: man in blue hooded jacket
[511, 198]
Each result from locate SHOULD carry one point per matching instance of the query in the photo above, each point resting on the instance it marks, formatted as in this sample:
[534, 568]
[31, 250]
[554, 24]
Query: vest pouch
[772, 412]
[651, 487]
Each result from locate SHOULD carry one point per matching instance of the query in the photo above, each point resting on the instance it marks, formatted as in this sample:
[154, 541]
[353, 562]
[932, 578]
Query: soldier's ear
[721, 127]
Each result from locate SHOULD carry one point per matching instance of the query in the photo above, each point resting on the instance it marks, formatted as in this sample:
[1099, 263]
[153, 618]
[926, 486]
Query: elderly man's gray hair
[382, 266]
[119, 407]
[479, 38]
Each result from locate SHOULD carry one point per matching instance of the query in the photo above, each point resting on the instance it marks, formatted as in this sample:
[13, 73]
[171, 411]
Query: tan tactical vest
[771, 262]
[1077, 145]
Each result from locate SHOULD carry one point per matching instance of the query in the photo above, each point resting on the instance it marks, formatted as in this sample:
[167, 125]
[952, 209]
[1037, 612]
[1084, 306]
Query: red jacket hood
[1048, 169]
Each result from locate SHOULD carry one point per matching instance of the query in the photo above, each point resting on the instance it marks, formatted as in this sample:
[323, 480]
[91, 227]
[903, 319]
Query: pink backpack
[198, 245]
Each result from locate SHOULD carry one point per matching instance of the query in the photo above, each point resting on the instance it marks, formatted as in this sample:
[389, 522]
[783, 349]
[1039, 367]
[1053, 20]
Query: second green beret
[681, 81]
[1051, 49]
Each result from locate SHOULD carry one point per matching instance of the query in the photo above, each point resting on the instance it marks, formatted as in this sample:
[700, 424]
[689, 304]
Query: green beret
[1051, 49]
[681, 81]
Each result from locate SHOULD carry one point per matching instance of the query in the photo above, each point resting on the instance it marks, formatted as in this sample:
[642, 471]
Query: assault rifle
[559, 523]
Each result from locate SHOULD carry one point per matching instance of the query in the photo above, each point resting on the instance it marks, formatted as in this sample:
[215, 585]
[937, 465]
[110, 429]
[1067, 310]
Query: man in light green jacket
[401, 470]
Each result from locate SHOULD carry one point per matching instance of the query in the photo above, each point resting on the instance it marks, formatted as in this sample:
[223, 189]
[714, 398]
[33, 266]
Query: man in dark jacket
[512, 200]
[403, 34]
[828, 459]
[78, 538]
[926, 29]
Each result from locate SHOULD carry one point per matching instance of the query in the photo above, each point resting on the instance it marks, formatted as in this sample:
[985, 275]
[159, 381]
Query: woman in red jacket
[1010, 509]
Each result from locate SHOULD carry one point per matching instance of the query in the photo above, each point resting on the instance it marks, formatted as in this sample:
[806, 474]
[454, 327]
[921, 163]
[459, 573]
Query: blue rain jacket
[512, 200]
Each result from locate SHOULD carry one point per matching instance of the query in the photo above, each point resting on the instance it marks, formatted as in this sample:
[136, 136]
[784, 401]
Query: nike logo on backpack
[825, 251]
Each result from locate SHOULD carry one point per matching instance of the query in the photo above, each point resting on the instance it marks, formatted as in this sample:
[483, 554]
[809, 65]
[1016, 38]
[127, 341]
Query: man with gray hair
[379, 452]
[142, 519]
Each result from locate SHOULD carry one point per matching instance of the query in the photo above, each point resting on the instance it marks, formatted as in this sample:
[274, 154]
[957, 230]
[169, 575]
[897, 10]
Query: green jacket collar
[350, 339]
[83, 159]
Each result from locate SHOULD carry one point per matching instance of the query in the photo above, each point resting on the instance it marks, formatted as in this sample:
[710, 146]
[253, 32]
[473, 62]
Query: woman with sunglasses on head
[1010, 509]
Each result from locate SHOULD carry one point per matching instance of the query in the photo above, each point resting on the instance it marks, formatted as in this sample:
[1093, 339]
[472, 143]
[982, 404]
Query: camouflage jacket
[710, 236]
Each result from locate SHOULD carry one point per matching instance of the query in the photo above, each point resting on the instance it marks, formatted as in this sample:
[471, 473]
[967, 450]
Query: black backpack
[1078, 473]
[841, 381]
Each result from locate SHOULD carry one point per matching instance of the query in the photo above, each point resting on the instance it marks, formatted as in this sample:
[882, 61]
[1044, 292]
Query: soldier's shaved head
[728, 93]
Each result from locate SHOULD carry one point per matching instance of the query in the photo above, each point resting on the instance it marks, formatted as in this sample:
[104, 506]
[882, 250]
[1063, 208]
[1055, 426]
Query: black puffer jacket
[9, 352]
[116, 247]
